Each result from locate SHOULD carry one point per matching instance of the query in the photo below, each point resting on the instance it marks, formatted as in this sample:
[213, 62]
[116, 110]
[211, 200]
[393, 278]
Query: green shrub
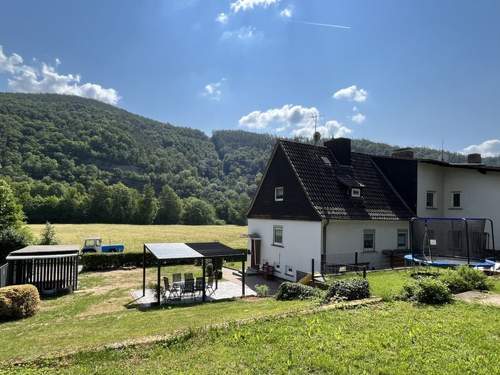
[465, 278]
[290, 291]
[13, 239]
[474, 277]
[262, 290]
[454, 281]
[18, 301]
[427, 290]
[154, 288]
[48, 236]
[348, 289]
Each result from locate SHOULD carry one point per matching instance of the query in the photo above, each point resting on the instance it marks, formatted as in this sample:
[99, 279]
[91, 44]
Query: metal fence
[3, 275]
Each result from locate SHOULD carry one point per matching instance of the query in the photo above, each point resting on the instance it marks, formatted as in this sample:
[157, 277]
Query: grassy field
[389, 338]
[134, 236]
[99, 313]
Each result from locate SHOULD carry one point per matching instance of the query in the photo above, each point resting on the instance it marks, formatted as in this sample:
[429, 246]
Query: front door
[255, 248]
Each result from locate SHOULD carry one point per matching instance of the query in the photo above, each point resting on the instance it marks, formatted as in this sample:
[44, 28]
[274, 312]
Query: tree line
[59, 202]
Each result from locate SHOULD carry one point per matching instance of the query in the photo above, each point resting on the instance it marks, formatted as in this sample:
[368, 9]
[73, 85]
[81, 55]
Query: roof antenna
[316, 135]
[442, 149]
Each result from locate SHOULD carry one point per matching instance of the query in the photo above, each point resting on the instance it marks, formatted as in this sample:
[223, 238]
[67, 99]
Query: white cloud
[352, 93]
[358, 118]
[222, 18]
[9, 64]
[487, 148]
[296, 119]
[245, 33]
[213, 91]
[330, 129]
[288, 115]
[243, 5]
[46, 79]
[287, 12]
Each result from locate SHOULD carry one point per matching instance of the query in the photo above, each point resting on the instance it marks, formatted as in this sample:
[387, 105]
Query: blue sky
[402, 72]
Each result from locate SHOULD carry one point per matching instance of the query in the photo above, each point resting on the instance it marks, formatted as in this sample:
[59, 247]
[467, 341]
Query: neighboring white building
[323, 206]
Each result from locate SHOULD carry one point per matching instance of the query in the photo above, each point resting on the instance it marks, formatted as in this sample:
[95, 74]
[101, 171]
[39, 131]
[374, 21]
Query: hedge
[348, 289]
[427, 290]
[290, 291]
[112, 261]
[18, 301]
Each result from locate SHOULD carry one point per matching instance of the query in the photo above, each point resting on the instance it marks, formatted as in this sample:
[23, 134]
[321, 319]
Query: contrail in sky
[331, 25]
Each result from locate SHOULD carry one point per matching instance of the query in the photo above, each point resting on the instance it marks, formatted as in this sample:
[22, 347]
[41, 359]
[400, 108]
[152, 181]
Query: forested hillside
[71, 159]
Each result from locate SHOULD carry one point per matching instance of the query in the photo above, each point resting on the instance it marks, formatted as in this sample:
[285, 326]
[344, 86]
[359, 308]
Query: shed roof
[46, 250]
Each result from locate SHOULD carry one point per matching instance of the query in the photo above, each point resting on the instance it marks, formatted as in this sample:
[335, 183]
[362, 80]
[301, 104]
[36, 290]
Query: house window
[369, 240]
[278, 193]
[456, 199]
[402, 239]
[430, 199]
[278, 235]
[355, 192]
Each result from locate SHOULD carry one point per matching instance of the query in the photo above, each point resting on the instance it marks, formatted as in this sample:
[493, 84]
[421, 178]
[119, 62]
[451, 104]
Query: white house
[321, 206]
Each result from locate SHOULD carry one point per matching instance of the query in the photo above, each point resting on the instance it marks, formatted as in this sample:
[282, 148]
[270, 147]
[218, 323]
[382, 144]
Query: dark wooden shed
[51, 268]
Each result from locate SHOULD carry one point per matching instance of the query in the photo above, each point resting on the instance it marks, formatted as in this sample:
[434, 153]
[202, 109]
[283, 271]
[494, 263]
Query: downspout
[323, 250]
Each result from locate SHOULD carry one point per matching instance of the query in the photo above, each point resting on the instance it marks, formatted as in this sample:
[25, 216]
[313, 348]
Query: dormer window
[279, 193]
[356, 192]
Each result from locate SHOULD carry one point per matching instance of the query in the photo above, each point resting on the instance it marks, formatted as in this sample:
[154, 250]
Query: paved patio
[228, 288]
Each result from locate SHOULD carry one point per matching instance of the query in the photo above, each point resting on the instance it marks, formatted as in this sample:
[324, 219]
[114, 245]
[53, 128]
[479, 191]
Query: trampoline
[452, 242]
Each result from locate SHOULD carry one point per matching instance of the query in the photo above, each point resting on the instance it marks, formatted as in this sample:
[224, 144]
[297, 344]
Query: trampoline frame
[486, 262]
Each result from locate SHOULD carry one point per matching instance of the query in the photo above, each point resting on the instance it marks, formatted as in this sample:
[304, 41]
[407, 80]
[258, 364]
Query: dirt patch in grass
[123, 279]
[479, 297]
[109, 306]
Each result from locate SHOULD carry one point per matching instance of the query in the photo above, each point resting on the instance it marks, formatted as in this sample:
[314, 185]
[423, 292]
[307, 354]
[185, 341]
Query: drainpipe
[323, 250]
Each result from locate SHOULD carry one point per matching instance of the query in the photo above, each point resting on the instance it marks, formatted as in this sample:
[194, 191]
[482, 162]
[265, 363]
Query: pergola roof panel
[171, 251]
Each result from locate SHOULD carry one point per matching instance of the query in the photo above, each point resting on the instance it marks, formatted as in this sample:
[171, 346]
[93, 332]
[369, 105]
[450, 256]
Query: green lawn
[387, 284]
[389, 338]
[99, 314]
[134, 236]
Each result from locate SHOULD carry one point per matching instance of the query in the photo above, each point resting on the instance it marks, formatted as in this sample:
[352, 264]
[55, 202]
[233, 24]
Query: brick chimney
[341, 149]
[403, 153]
[474, 159]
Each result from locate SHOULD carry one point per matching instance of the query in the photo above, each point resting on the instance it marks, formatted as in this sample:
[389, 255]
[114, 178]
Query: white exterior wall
[301, 243]
[480, 193]
[345, 237]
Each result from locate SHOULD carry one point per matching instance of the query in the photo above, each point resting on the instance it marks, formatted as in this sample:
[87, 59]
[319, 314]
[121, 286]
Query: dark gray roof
[327, 186]
[479, 167]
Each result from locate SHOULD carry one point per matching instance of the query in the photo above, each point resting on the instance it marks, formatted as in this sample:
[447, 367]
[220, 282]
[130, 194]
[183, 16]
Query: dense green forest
[71, 159]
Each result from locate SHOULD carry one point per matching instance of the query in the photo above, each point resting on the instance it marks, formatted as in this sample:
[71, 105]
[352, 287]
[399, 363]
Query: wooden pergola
[185, 253]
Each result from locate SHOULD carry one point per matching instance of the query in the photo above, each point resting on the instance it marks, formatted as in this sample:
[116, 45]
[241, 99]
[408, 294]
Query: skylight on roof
[326, 161]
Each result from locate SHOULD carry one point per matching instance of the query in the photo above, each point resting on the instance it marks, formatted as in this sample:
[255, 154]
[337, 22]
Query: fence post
[312, 270]
[356, 258]
[364, 272]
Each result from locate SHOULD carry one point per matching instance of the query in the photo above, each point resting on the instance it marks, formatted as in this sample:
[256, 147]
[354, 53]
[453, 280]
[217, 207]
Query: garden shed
[51, 268]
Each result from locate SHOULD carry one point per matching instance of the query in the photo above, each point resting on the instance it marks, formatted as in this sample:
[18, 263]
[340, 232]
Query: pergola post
[158, 290]
[243, 278]
[204, 292]
[144, 270]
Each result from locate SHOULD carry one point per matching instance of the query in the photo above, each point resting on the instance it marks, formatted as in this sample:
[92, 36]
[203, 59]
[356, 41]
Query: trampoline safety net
[469, 239]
